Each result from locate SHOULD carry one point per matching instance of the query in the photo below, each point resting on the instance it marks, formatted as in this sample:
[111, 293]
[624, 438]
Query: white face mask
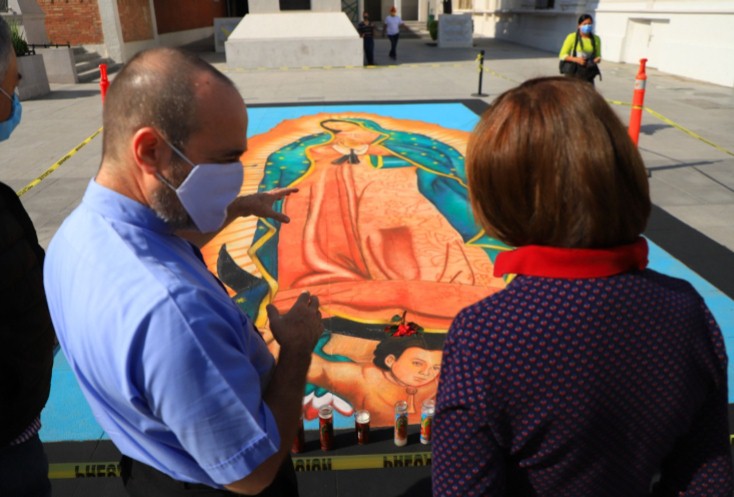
[207, 191]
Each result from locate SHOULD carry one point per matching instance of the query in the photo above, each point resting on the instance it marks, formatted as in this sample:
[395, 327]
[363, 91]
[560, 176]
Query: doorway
[295, 4]
[642, 41]
[409, 10]
[237, 8]
[374, 9]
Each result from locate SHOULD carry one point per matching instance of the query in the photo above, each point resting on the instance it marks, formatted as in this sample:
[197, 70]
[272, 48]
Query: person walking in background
[590, 374]
[366, 31]
[173, 370]
[26, 356]
[393, 22]
[583, 49]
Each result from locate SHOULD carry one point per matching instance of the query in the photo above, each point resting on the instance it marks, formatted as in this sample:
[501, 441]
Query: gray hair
[6, 47]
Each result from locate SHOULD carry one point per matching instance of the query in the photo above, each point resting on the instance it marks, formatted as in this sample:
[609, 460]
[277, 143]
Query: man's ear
[389, 360]
[149, 150]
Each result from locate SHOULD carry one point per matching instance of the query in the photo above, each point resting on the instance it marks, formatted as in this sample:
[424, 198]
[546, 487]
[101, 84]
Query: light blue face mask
[587, 29]
[8, 126]
[207, 191]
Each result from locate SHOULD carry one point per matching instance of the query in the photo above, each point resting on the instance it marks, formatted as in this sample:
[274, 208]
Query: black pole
[481, 74]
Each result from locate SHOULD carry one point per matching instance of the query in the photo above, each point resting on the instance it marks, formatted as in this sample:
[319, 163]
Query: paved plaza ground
[686, 141]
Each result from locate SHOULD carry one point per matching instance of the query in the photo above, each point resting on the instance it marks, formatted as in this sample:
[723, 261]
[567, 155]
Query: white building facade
[694, 39]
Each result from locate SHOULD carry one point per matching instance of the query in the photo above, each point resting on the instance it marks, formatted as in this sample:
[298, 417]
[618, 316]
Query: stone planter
[35, 82]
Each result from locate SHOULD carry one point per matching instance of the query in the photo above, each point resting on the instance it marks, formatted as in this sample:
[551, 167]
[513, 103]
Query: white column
[154, 23]
[111, 29]
[32, 20]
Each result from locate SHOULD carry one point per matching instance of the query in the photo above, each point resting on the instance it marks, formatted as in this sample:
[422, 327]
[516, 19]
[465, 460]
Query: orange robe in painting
[370, 245]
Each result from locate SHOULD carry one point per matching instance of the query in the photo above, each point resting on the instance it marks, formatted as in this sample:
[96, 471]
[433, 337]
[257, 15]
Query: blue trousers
[369, 50]
[24, 470]
[393, 45]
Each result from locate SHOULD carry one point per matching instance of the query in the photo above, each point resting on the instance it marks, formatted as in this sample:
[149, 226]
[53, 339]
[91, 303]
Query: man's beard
[165, 202]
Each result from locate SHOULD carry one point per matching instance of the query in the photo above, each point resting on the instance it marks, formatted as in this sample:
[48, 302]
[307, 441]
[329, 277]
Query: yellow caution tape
[111, 469]
[62, 471]
[366, 461]
[674, 124]
[689, 132]
[58, 163]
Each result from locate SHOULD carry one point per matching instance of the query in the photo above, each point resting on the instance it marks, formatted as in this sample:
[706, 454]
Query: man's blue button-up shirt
[173, 370]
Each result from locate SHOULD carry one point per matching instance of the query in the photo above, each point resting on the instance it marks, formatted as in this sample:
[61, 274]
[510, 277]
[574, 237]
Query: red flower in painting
[399, 328]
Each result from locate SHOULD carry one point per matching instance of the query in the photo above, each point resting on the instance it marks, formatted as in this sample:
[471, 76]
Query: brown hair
[155, 88]
[550, 163]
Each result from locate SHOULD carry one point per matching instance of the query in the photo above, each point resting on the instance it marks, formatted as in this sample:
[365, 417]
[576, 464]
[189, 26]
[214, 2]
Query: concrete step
[412, 29]
[93, 74]
[87, 64]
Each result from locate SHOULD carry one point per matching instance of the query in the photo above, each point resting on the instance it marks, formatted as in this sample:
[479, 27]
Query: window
[465, 5]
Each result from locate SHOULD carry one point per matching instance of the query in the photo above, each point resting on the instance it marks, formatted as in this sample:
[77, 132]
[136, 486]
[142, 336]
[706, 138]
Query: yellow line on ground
[674, 124]
[689, 132]
[58, 163]
[377, 66]
[111, 469]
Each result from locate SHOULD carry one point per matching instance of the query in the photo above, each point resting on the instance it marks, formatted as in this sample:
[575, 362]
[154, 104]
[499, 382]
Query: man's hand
[297, 330]
[300, 328]
[260, 204]
[257, 204]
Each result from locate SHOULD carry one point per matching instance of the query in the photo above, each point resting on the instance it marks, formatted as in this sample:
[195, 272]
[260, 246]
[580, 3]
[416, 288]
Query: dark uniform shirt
[366, 30]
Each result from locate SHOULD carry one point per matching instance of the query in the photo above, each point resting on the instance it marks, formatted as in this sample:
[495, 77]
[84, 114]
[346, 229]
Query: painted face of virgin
[416, 366]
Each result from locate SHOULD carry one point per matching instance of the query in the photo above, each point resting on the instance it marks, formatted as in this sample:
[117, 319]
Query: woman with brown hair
[589, 374]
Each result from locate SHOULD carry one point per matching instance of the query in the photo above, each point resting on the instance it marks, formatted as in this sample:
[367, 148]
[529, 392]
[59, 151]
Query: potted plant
[433, 29]
[19, 44]
[34, 82]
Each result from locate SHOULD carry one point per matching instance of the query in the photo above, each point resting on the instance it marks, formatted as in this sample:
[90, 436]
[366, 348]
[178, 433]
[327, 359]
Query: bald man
[173, 370]
[26, 334]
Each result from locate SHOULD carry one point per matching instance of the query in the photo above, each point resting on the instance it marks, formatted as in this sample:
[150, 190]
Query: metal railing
[34, 46]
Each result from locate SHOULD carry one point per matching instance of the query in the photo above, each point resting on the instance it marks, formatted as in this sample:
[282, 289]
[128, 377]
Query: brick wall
[135, 20]
[73, 21]
[180, 15]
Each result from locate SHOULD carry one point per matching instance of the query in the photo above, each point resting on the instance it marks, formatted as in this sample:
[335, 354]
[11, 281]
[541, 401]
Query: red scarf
[554, 262]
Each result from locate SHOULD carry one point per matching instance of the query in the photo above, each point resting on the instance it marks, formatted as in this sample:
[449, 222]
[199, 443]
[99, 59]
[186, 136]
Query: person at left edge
[26, 356]
[173, 370]
[366, 31]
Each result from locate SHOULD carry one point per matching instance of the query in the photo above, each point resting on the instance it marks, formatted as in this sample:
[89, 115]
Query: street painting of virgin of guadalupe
[382, 231]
